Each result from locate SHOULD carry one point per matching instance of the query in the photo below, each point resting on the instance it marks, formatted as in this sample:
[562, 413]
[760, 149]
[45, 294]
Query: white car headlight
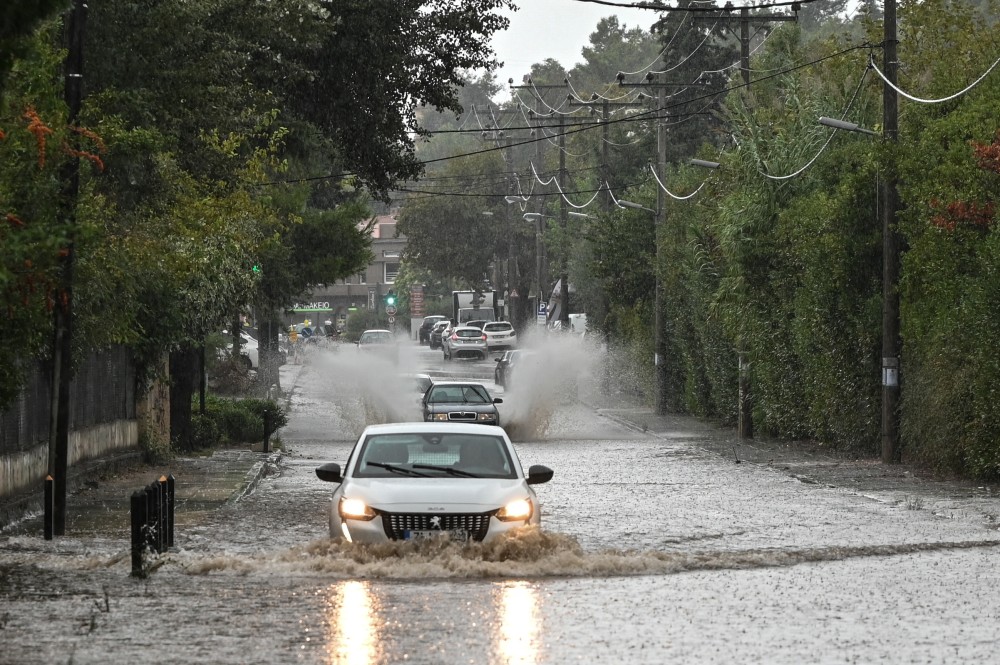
[487, 417]
[438, 416]
[355, 509]
[520, 509]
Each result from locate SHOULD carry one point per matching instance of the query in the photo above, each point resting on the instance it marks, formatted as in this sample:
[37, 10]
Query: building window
[390, 254]
[391, 272]
[361, 278]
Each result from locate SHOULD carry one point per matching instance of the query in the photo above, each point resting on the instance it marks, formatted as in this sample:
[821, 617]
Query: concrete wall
[26, 470]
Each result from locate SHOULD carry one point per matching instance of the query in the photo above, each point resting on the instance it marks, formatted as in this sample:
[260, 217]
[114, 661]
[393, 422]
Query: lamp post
[891, 342]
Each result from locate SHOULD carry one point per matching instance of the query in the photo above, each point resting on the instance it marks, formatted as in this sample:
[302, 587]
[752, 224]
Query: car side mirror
[498, 400]
[330, 472]
[538, 474]
[498, 359]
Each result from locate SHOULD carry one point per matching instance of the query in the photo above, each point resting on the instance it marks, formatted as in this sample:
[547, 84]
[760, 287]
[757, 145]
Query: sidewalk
[99, 491]
[813, 464]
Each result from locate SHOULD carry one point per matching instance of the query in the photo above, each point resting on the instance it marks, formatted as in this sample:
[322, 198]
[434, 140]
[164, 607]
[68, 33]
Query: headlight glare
[440, 416]
[355, 509]
[488, 417]
[520, 509]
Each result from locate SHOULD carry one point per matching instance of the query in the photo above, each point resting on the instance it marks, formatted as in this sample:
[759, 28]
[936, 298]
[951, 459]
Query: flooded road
[653, 549]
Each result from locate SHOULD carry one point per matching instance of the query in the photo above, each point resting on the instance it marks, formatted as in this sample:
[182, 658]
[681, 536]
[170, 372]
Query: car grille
[476, 524]
[463, 416]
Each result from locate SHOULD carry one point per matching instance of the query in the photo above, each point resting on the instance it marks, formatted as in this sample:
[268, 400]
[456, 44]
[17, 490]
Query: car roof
[467, 328]
[435, 316]
[458, 383]
[418, 427]
[378, 330]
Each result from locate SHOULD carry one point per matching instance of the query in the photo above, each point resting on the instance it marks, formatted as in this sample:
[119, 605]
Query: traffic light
[390, 299]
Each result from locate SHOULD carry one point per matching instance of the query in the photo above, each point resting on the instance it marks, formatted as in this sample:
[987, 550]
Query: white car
[407, 481]
[500, 335]
[464, 342]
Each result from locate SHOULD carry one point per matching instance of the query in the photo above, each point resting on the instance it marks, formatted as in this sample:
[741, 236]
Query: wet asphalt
[664, 539]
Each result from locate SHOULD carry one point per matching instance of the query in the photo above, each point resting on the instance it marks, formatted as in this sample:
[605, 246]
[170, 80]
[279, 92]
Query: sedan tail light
[484, 337]
[454, 337]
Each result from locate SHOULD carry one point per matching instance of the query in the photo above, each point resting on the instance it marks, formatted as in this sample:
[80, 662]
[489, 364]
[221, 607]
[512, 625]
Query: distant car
[499, 335]
[424, 332]
[411, 481]
[461, 401]
[380, 342]
[434, 341]
[464, 342]
[249, 349]
[507, 365]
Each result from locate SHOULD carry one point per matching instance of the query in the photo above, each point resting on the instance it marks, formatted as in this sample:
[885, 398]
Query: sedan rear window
[469, 333]
[498, 327]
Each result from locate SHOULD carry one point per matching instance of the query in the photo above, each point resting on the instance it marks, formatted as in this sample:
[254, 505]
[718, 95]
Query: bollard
[150, 525]
[161, 494]
[138, 532]
[49, 505]
[267, 430]
[170, 510]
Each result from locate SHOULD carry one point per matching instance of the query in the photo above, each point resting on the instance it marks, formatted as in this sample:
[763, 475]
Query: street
[656, 546]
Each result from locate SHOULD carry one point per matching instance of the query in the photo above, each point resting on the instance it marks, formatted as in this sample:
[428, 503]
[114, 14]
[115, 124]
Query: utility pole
[891, 343]
[63, 307]
[660, 391]
[746, 22]
[745, 396]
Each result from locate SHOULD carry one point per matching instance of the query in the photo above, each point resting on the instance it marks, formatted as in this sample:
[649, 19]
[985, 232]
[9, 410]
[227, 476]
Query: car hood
[444, 407]
[444, 494]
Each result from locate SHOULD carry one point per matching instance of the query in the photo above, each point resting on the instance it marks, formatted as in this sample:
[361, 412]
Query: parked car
[461, 401]
[500, 335]
[507, 365]
[424, 332]
[411, 481]
[464, 342]
[249, 349]
[436, 331]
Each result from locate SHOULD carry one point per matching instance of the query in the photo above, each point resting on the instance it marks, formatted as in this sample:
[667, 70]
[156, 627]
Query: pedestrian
[293, 339]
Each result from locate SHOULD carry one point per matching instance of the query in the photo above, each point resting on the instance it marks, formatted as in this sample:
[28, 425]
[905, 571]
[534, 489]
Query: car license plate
[459, 535]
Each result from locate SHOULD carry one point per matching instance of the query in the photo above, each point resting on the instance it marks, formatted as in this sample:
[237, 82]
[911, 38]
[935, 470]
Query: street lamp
[891, 343]
[846, 126]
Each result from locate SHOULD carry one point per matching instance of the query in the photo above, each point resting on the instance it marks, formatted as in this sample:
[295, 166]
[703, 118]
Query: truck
[473, 306]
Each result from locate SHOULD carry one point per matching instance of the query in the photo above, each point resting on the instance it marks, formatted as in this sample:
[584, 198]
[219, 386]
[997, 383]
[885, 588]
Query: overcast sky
[557, 29]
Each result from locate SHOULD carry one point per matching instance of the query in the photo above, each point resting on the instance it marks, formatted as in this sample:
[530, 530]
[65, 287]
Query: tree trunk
[184, 380]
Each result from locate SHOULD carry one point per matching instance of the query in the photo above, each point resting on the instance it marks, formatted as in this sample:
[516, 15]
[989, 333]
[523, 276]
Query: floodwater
[653, 549]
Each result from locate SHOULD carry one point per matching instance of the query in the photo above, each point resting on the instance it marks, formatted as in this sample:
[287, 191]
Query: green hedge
[235, 421]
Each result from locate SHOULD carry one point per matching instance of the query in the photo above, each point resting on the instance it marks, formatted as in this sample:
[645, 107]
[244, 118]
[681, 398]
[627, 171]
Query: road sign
[392, 319]
[390, 310]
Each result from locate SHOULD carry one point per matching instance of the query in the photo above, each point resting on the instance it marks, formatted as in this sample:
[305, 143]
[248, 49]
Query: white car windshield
[376, 338]
[471, 332]
[434, 455]
[498, 327]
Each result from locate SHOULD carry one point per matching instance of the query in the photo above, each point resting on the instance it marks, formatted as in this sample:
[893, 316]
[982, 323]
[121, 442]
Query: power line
[655, 6]
[648, 115]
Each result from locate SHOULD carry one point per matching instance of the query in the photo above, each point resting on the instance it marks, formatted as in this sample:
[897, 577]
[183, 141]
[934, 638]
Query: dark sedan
[461, 401]
[437, 331]
[424, 333]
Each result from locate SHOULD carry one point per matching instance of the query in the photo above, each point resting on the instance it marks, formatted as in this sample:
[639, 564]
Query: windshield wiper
[397, 469]
[446, 469]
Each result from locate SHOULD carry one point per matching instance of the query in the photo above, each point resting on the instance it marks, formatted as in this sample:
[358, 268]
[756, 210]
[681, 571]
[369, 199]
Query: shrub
[229, 421]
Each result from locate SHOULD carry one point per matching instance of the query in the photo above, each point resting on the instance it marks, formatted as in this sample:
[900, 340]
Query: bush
[234, 421]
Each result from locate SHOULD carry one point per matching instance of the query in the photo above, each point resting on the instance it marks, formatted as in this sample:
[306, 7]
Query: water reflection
[353, 624]
[518, 628]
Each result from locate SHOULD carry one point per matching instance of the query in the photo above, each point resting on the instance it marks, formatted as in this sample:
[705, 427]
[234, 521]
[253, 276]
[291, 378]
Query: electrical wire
[659, 182]
[931, 101]
[667, 8]
[828, 140]
[643, 115]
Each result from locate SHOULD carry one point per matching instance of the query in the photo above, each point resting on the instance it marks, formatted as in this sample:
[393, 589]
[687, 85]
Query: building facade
[333, 302]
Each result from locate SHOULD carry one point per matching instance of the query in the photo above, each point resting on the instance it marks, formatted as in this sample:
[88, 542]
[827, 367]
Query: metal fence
[102, 391]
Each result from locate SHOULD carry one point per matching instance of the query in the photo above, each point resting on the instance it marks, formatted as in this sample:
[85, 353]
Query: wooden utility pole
[891, 343]
[62, 346]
